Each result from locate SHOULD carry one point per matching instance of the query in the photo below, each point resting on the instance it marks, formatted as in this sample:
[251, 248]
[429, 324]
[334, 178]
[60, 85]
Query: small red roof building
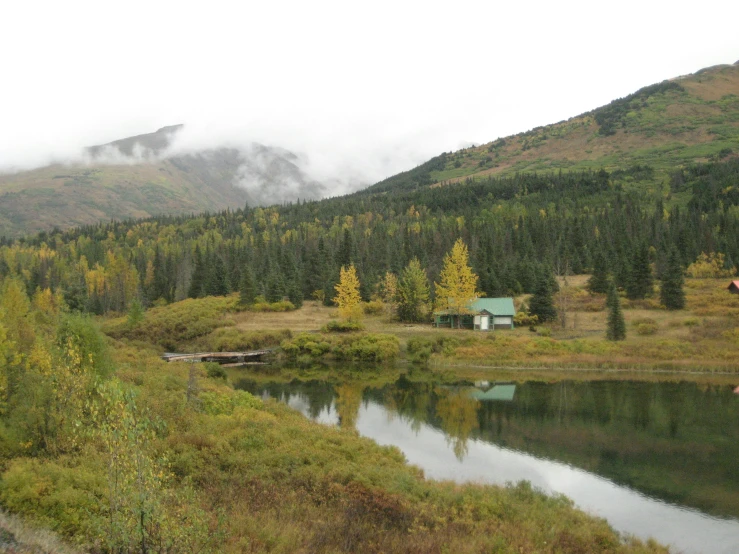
[734, 287]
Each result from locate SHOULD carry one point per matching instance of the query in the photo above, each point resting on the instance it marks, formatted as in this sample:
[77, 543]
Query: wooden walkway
[228, 359]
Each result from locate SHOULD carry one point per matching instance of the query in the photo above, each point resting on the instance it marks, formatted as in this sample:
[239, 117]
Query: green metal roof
[496, 306]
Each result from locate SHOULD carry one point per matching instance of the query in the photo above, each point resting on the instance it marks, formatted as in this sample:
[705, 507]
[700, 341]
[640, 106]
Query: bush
[216, 403]
[375, 307]
[646, 329]
[343, 326]
[282, 306]
[420, 350]
[305, 344]
[374, 347]
[215, 370]
[691, 322]
[335, 326]
[525, 319]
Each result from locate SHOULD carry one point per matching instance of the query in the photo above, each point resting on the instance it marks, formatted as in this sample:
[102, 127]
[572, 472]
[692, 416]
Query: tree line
[520, 230]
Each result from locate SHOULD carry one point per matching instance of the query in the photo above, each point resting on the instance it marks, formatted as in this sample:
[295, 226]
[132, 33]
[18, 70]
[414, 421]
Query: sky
[361, 90]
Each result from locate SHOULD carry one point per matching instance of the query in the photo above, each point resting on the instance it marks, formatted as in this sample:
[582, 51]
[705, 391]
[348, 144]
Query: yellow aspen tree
[458, 286]
[347, 294]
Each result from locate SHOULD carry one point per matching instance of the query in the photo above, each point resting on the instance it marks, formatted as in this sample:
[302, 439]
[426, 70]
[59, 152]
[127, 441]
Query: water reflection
[646, 456]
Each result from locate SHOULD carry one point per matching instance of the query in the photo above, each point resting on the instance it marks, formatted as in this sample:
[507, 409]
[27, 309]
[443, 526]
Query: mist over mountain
[165, 171]
[187, 169]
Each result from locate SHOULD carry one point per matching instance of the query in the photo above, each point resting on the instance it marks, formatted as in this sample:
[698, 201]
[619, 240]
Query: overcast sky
[365, 87]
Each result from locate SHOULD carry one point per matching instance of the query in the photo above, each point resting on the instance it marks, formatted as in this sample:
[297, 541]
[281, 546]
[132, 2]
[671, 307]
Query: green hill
[688, 119]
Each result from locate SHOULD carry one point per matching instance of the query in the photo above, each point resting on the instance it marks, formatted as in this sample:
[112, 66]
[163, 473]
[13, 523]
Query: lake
[655, 459]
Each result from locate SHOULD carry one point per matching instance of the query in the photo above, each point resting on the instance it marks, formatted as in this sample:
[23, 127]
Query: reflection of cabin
[485, 314]
[734, 287]
[502, 392]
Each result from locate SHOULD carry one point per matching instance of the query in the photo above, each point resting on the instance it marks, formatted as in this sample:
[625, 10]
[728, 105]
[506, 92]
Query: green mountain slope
[694, 118]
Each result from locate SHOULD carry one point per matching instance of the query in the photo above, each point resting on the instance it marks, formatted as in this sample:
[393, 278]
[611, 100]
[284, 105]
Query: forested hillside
[689, 119]
[518, 228]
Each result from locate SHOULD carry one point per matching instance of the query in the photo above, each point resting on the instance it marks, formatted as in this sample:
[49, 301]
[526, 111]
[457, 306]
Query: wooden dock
[228, 359]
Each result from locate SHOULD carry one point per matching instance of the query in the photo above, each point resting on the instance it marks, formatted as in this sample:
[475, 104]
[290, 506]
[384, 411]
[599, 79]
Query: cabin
[734, 287]
[486, 314]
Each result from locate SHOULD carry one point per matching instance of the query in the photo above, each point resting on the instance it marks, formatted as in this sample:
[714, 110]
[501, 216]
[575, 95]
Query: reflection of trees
[409, 400]
[458, 414]
[348, 400]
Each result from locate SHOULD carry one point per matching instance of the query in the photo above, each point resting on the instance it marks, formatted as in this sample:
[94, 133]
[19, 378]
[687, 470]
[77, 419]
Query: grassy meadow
[246, 475]
[702, 338]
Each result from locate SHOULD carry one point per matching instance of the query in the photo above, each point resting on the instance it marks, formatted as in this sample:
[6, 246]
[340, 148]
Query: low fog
[347, 93]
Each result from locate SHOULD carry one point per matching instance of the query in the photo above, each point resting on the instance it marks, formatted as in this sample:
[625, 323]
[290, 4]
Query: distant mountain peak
[148, 144]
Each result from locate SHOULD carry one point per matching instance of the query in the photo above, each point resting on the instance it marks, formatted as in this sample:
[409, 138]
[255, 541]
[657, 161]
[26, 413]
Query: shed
[734, 287]
[485, 314]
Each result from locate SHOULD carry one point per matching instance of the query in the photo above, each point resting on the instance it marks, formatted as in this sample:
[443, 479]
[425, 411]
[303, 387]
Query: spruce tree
[247, 288]
[598, 281]
[640, 281]
[671, 293]
[216, 282]
[541, 303]
[616, 329]
[198, 275]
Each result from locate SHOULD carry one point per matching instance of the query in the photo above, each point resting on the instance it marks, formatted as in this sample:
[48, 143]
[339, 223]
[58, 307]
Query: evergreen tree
[413, 293]
[671, 293]
[295, 292]
[247, 288]
[541, 303]
[640, 282]
[198, 276]
[599, 281]
[216, 283]
[275, 287]
[616, 329]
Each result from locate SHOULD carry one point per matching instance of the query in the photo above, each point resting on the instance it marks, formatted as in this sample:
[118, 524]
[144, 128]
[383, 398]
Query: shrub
[420, 350]
[305, 344]
[215, 370]
[335, 326]
[646, 328]
[376, 307]
[525, 319]
[216, 403]
[373, 347]
[281, 306]
[691, 322]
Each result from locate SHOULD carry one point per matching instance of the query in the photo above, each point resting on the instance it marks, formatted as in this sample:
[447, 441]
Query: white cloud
[359, 91]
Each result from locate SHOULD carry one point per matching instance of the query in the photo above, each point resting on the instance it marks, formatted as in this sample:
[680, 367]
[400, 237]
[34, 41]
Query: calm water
[654, 459]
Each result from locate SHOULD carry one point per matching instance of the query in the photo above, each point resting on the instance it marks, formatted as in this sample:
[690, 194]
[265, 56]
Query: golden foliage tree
[347, 294]
[458, 415]
[458, 286]
[710, 266]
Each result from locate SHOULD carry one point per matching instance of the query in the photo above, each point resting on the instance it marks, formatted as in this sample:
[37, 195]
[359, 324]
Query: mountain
[693, 118]
[143, 176]
[640, 140]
